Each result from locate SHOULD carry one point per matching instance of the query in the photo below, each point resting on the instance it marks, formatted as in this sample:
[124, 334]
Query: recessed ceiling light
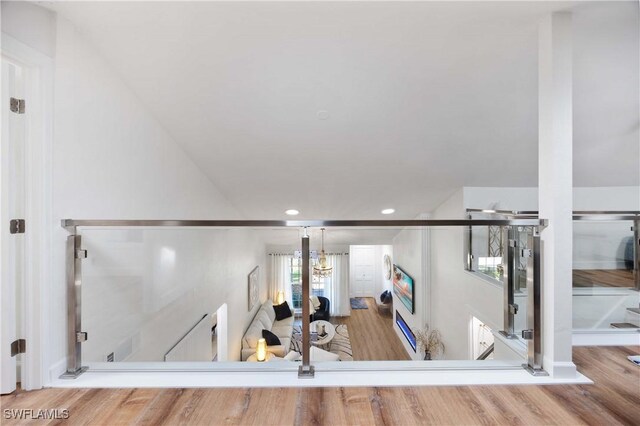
[388, 211]
[292, 212]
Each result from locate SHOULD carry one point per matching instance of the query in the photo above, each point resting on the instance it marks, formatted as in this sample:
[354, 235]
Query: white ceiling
[422, 98]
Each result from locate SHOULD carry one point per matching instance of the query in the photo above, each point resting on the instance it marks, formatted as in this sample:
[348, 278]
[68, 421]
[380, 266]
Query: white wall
[457, 295]
[32, 25]
[526, 198]
[410, 253]
[113, 160]
[512, 198]
[144, 289]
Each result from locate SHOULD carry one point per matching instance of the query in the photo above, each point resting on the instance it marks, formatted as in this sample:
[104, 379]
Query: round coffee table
[329, 328]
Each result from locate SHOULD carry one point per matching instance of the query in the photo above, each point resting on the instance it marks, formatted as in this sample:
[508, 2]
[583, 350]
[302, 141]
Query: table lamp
[280, 298]
[261, 350]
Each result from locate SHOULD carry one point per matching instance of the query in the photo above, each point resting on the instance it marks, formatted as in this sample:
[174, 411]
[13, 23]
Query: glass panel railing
[207, 294]
[523, 237]
[486, 251]
[603, 254]
[604, 288]
[485, 248]
[604, 276]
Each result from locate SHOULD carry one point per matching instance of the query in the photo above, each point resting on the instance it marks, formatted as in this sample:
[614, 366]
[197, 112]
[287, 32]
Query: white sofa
[265, 319]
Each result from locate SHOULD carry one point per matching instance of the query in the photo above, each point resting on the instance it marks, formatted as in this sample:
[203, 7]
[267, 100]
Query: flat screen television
[404, 327]
[403, 288]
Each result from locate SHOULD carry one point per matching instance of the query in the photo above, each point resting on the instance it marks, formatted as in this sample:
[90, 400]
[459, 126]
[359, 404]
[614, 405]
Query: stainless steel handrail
[584, 215]
[184, 336]
[484, 355]
[71, 223]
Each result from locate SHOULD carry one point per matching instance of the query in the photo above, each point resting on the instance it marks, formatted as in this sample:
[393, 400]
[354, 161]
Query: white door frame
[36, 314]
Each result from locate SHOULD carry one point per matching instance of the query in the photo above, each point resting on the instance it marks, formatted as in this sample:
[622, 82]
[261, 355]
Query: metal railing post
[306, 370]
[509, 273]
[468, 243]
[75, 337]
[533, 334]
[636, 252]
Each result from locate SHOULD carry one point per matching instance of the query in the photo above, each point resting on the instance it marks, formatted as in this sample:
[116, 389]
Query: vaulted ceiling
[340, 109]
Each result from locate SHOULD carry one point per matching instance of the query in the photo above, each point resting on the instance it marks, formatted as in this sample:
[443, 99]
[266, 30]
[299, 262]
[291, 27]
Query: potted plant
[430, 341]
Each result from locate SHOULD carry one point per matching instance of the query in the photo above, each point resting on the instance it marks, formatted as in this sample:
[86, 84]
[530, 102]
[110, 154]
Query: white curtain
[279, 277]
[337, 288]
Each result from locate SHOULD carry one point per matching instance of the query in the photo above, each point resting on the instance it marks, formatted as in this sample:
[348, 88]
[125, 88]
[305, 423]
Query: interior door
[363, 276]
[12, 159]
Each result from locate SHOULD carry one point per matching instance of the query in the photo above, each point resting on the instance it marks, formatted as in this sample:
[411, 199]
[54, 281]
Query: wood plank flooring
[372, 335]
[614, 399]
[603, 278]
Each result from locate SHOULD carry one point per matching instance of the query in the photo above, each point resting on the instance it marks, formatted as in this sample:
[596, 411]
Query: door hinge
[17, 226]
[17, 105]
[81, 254]
[81, 336]
[527, 334]
[525, 253]
[18, 347]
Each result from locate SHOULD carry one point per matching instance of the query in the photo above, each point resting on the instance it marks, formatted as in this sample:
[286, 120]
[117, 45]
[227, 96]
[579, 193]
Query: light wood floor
[603, 278]
[372, 335]
[613, 400]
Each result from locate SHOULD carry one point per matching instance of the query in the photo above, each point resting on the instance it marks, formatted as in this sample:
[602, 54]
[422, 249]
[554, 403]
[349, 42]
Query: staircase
[631, 317]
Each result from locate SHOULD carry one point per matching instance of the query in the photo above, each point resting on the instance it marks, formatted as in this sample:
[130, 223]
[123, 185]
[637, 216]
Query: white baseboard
[386, 373]
[560, 369]
[602, 264]
[606, 338]
[56, 370]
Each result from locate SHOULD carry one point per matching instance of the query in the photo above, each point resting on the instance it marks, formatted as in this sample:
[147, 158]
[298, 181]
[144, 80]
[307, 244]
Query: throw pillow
[282, 311]
[272, 339]
[315, 302]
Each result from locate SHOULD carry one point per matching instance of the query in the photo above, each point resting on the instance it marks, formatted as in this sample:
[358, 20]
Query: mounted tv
[403, 288]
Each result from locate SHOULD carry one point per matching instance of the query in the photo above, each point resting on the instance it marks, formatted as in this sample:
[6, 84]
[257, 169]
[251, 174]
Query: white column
[555, 168]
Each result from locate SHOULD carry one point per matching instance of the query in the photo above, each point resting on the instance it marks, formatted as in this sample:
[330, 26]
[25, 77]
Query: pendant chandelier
[322, 269]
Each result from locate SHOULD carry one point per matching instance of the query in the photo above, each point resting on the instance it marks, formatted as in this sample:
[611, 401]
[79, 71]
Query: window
[491, 266]
[295, 280]
[317, 285]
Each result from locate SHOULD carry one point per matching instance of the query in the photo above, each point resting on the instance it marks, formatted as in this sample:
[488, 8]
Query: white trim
[606, 337]
[560, 370]
[38, 205]
[600, 264]
[55, 371]
[354, 373]
[603, 291]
